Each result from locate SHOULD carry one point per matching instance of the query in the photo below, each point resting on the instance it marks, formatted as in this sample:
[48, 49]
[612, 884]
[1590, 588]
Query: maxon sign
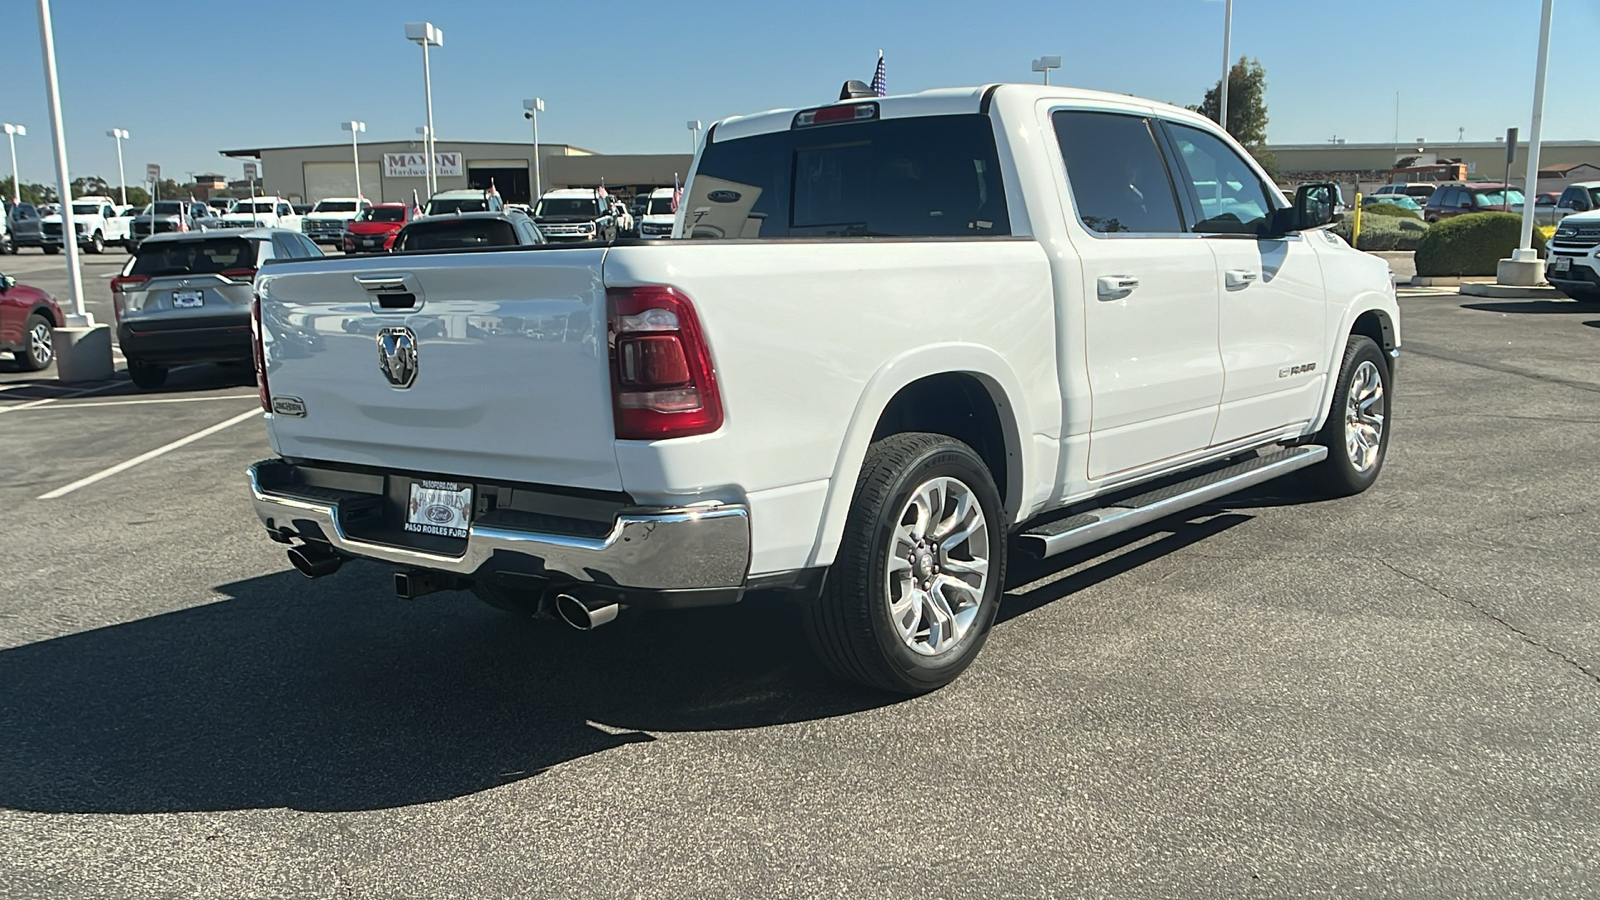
[415, 165]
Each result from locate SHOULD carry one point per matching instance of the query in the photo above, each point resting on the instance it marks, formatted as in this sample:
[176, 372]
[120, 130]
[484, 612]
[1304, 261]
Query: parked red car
[374, 228]
[27, 315]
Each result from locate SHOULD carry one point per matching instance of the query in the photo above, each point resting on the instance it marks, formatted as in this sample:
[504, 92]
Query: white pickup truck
[96, 221]
[892, 340]
[261, 212]
[327, 222]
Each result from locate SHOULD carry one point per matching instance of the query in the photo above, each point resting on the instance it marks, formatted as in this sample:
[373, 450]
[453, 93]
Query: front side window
[1118, 177]
[927, 176]
[1232, 198]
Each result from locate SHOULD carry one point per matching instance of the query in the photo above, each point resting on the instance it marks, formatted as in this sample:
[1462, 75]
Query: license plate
[370, 242]
[439, 507]
[188, 299]
[1561, 264]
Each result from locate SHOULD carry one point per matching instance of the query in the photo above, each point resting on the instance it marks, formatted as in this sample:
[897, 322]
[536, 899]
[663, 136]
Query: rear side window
[931, 176]
[207, 257]
[456, 235]
[1119, 180]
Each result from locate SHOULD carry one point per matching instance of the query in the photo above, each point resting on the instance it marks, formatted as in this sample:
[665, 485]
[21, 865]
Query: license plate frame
[440, 508]
[188, 299]
[1561, 265]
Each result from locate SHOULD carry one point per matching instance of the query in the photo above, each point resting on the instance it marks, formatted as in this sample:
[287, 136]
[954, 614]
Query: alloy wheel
[938, 566]
[1363, 416]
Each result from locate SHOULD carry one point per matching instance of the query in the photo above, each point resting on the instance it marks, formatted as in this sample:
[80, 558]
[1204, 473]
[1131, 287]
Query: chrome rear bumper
[689, 549]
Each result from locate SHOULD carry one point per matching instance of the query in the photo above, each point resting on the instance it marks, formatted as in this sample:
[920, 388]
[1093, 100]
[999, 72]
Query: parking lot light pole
[355, 128]
[694, 135]
[11, 132]
[531, 109]
[121, 134]
[1045, 64]
[1227, 65]
[83, 349]
[425, 35]
[1525, 267]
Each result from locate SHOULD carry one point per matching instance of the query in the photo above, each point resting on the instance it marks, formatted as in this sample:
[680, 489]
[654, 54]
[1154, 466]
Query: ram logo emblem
[397, 355]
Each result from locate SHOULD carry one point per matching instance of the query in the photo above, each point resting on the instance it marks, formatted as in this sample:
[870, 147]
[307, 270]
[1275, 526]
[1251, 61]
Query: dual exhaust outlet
[315, 560]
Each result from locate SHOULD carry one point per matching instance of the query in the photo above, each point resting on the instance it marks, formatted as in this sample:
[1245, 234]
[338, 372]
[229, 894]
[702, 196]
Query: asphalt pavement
[1393, 695]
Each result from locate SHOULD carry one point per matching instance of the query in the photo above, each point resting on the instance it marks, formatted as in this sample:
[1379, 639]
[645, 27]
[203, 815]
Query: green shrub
[1389, 209]
[1383, 232]
[1472, 244]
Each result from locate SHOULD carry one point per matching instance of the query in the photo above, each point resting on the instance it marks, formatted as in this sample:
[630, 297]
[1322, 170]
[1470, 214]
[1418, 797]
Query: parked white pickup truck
[893, 340]
[261, 212]
[96, 221]
[330, 218]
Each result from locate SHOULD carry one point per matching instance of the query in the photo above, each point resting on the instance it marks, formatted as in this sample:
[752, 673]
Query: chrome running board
[1061, 535]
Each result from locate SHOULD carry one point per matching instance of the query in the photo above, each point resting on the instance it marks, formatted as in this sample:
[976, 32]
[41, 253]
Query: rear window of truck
[931, 176]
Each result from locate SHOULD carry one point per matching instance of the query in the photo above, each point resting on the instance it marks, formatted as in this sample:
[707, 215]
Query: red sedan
[27, 316]
[374, 228]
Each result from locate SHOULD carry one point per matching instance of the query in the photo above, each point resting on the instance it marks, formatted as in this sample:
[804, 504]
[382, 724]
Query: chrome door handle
[1115, 287]
[1237, 278]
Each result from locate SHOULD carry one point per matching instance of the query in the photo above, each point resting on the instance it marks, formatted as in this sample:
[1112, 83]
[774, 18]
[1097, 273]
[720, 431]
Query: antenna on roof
[855, 89]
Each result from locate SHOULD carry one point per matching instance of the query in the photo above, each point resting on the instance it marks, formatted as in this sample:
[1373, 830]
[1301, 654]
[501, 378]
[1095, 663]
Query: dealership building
[394, 171]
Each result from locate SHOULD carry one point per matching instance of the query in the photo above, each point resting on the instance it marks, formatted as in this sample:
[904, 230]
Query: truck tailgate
[510, 381]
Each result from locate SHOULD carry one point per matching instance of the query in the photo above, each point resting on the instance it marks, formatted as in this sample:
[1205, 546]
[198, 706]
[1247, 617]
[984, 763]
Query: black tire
[50, 249]
[849, 625]
[1339, 475]
[97, 244]
[34, 356]
[8, 244]
[1581, 296]
[146, 376]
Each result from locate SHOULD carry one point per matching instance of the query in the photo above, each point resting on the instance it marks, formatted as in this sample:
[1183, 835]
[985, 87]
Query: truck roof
[945, 102]
[559, 193]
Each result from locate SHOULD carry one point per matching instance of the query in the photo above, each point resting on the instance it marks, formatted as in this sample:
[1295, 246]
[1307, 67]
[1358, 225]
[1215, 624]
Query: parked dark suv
[25, 225]
[1457, 198]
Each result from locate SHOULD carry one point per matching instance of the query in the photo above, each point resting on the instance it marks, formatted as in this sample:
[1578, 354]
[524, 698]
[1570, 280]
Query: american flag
[880, 79]
[677, 192]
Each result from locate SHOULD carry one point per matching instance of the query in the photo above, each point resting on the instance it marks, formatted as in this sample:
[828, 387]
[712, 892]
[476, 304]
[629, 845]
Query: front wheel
[51, 249]
[38, 344]
[910, 597]
[97, 244]
[1357, 431]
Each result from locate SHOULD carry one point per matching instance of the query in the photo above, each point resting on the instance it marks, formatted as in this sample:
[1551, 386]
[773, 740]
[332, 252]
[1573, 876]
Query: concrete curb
[1511, 292]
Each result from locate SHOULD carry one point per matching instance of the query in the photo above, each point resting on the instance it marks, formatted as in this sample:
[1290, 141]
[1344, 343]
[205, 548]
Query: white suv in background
[658, 215]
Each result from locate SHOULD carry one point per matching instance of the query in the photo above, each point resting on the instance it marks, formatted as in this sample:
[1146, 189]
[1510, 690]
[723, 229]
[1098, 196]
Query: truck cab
[660, 211]
[261, 212]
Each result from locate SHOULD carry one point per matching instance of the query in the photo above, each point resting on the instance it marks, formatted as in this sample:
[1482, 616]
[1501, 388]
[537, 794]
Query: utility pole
[1227, 66]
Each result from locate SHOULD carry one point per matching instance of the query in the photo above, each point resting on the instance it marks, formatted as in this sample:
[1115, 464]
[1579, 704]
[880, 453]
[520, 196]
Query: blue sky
[621, 77]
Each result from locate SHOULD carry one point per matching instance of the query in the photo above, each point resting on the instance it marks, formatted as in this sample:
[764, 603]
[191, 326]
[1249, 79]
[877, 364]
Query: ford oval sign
[723, 196]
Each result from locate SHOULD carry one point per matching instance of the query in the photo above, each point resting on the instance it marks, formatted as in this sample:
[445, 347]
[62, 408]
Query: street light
[694, 135]
[355, 128]
[121, 134]
[1227, 66]
[1524, 266]
[531, 110]
[425, 35]
[11, 132]
[1045, 64]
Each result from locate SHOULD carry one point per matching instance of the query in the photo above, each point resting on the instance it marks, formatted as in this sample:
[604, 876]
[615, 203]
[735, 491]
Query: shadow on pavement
[1593, 324]
[333, 696]
[1531, 306]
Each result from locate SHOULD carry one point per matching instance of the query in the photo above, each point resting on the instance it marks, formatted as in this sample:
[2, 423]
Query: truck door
[1274, 307]
[1150, 301]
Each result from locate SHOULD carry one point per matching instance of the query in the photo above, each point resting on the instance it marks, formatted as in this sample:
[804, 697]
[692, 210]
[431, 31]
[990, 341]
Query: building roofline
[255, 152]
[1434, 147]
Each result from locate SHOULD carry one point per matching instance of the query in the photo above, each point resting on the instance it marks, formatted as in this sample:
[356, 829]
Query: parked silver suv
[185, 298]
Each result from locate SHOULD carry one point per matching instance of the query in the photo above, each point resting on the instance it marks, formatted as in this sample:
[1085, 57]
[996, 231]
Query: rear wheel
[97, 244]
[146, 375]
[909, 600]
[1357, 431]
[38, 347]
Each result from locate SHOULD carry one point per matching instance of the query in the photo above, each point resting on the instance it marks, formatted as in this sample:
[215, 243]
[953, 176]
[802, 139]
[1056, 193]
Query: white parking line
[140, 401]
[146, 457]
[38, 403]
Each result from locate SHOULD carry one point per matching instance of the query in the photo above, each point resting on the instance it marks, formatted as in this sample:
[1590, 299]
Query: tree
[1247, 109]
[31, 193]
[91, 185]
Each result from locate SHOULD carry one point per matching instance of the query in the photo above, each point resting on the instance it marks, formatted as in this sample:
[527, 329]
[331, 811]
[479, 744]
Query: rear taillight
[239, 274]
[123, 282]
[662, 381]
[259, 354]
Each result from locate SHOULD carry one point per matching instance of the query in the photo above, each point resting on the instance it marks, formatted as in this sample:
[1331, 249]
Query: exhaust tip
[314, 563]
[584, 615]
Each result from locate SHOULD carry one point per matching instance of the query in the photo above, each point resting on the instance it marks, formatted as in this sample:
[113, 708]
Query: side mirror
[1315, 205]
[1466, 204]
[7, 282]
